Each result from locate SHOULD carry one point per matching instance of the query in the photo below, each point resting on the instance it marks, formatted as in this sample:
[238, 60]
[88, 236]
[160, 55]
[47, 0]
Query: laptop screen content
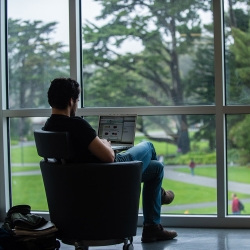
[120, 130]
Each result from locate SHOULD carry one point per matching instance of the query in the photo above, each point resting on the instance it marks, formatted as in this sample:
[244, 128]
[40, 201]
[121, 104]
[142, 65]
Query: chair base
[85, 244]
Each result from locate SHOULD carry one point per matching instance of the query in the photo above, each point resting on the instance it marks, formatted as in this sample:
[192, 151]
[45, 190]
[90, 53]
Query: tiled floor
[189, 239]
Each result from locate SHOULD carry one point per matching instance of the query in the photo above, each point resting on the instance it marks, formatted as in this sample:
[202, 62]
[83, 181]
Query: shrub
[199, 158]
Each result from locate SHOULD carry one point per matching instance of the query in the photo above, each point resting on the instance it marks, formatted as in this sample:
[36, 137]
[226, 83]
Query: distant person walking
[192, 166]
[235, 204]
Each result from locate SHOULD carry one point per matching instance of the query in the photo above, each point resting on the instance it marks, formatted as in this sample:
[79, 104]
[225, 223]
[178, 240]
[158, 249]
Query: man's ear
[71, 102]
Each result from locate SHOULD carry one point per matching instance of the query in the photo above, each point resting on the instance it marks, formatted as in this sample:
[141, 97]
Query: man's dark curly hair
[60, 92]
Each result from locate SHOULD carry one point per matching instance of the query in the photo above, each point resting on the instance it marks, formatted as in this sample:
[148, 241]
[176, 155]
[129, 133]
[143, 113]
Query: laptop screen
[119, 129]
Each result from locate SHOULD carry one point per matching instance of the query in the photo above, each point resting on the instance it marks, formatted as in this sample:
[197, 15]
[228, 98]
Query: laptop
[118, 129]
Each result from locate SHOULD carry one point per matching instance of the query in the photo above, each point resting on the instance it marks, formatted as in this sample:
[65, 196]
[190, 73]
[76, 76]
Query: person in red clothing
[192, 166]
[235, 204]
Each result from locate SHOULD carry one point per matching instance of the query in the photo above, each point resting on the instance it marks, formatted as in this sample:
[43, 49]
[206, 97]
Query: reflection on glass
[187, 151]
[37, 49]
[237, 52]
[148, 54]
[26, 179]
[238, 158]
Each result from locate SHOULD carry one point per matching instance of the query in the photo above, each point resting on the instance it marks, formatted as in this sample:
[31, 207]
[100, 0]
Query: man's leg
[143, 151]
[152, 200]
[152, 175]
[151, 194]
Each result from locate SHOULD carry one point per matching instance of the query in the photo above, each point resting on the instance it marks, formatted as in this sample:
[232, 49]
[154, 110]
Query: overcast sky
[49, 11]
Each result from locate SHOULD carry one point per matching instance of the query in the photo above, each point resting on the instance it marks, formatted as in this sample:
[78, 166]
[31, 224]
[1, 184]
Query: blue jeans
[152, 176]
[192, 171]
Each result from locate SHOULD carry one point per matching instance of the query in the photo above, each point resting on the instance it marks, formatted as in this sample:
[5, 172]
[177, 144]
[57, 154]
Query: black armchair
[91, 204]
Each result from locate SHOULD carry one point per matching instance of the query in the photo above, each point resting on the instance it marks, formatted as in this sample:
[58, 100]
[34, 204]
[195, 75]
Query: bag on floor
[29, 231]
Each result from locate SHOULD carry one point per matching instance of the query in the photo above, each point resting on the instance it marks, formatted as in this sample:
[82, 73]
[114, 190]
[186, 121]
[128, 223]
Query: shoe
[166, 196]
[156, 232]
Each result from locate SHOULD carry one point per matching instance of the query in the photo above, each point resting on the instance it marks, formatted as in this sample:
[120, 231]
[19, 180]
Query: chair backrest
[51, 144]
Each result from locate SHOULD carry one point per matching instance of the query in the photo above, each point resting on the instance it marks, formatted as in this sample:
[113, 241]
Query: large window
[148, 53]
[182, 66]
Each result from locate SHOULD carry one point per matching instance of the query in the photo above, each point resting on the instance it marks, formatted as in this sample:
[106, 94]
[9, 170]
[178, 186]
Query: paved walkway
[201, 181]
[205, 181]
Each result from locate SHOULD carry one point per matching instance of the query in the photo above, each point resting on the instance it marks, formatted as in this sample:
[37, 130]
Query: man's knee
[159, 167]
[149, 144]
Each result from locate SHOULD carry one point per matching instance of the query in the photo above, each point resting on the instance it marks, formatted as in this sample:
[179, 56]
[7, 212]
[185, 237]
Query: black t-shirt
[81, 135]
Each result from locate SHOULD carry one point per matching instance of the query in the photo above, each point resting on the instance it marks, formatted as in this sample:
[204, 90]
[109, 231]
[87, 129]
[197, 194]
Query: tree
[166, 30]
[236, 16]
[236, 21]
[239, 137]
[34, 60]
[199, 86]
[238, 85]
[240, 49]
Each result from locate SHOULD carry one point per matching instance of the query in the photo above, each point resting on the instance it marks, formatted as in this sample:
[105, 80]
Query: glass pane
[178, 140]
[186, 146]
[237, 52]
[238, 158]
[27, 183]
[38, 49]
[152, 53]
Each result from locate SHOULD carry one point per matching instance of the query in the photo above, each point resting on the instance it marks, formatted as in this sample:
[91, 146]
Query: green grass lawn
[161, 147]
[29, 190]
[186, 193]
[25, 155]
[23, 169]
[190, 194]
[237, 174]
[198, 211]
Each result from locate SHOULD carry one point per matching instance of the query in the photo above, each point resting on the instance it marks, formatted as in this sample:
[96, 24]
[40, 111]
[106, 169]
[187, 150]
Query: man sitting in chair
[63, 96]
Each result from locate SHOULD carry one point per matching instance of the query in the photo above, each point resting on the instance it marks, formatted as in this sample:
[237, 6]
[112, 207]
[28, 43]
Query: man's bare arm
[102, 150]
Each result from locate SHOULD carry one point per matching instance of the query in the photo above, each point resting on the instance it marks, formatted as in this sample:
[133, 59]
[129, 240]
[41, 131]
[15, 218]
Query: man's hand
[106, 142]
